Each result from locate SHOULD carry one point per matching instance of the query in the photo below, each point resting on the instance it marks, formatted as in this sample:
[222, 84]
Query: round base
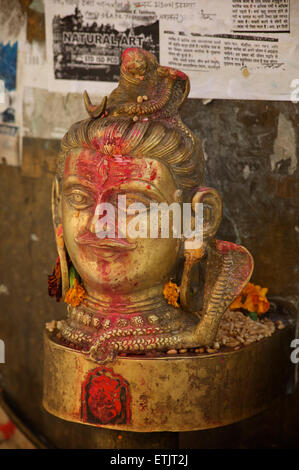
[175, 393]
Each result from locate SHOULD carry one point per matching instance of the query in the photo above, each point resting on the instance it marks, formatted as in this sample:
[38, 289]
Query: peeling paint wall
[283, 158]
[251, 152]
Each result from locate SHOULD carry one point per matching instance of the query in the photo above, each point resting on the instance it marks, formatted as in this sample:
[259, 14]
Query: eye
[79, 199]
[130, 199]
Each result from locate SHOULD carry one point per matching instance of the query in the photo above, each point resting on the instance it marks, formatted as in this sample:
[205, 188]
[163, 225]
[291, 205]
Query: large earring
[212, 218]
[61, 249]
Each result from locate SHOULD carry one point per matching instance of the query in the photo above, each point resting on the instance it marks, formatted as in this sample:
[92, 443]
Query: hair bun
[145, 89]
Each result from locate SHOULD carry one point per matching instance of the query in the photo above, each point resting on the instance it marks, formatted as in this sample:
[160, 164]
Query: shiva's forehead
[103, 171]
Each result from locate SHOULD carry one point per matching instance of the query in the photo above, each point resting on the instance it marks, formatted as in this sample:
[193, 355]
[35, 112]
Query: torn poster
[9, 104]
[8, 77]
[85, 43]
[9, 145]
[12, 33]
[229, 48]
[9, 134]
[62, 111]
[33, 51]
[35, 68]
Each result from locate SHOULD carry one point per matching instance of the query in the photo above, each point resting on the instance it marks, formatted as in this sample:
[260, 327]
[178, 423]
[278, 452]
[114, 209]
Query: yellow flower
[237, 303]
[171, 293]
[75, 295]
[252, 298]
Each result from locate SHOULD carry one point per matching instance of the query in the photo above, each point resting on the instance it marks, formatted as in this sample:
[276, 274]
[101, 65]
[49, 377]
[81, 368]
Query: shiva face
[116, 261]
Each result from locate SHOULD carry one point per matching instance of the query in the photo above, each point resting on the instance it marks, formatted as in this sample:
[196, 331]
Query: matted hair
[167, 140]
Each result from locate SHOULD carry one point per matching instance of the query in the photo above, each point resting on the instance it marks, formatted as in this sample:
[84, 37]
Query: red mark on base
[8, 429]
[105, 398]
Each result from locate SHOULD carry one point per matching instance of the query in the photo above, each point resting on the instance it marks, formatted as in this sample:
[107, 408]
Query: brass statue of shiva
[129, 295]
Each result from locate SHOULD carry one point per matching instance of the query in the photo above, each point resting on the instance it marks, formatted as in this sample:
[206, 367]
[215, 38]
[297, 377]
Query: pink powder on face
[104, 171]
[153, 174]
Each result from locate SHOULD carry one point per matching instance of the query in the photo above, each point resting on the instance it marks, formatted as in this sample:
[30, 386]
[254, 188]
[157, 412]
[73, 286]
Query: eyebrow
[151, 190]
[73, 180]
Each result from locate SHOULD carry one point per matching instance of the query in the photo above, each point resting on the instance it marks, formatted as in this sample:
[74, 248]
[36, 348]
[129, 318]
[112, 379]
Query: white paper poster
[243, 49]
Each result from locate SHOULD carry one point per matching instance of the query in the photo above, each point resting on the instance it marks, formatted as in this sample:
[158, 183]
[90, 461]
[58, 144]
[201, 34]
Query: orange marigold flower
[252, 298]
[75, 295]
[250, 302]
[237, 303]
[171, 293]
[262, 304]
[249, 289]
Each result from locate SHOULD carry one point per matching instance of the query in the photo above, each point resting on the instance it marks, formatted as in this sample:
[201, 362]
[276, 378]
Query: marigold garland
[252, 298]
[75, 295]
[55, 282]
[171, 293]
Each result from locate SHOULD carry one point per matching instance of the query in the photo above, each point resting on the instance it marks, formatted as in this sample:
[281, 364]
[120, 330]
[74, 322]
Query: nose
[102, 223]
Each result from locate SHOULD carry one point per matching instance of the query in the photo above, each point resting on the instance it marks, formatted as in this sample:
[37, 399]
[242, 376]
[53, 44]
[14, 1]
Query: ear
[58, 229]
[212, 210]
[195, 249]
[56, 203]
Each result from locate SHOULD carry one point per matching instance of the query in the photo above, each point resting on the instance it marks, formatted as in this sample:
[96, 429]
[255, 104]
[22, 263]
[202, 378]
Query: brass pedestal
[178, 393]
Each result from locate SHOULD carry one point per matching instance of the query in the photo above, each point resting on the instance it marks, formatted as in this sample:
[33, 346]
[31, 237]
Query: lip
[103, 245]
[105, 253]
